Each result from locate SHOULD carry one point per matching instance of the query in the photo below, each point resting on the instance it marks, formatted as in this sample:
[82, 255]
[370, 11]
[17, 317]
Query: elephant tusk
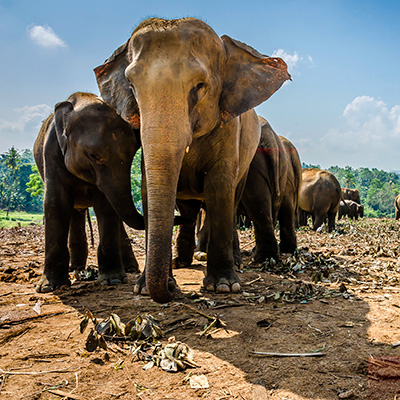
[187, 150]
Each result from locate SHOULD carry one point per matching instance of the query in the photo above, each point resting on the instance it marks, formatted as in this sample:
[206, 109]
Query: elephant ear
[250, 78]
[115, 89]
[61, 113]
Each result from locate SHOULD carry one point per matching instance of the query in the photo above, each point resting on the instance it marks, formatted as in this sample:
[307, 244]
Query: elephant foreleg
[221, 275]
[109, 251]
[58, 205]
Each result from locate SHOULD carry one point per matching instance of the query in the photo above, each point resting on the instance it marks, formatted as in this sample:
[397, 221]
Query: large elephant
[192, 95]
[351, 194]
[84, 152]
[397, 206]
[271, 193]
[320, 194]
[351, 209]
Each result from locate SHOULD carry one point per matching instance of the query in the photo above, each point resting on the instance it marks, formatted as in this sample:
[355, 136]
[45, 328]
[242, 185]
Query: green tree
[11, 159]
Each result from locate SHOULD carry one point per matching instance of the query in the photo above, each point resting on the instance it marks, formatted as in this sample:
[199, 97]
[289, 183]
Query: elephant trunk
[163, 151]
[119, 195]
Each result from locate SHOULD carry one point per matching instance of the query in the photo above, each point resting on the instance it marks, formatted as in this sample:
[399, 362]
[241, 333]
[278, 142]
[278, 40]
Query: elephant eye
[201, 85]
[95, 158]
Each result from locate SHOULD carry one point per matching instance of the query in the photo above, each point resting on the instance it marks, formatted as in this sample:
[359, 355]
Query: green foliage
[377, 188]
[19, 218]
[136, 180]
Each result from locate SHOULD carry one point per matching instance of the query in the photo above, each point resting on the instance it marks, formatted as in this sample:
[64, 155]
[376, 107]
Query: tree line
[21, 187]
[377, 188]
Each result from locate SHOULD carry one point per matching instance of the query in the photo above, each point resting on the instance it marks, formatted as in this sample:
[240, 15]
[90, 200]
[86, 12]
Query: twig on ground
[35, 317]
[53, 371]
[65, 395]
[254, 280]
[248, 244]
[209, 317]
[265, 354]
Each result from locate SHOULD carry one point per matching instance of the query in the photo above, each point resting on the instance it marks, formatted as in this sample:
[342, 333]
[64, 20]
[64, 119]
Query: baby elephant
[351, 209]
[84, 153]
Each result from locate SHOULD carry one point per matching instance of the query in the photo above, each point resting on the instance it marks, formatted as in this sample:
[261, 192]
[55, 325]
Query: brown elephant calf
[84, 152]
[320, 194]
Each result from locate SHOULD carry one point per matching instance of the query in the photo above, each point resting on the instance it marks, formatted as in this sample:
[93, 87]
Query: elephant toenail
[236, 287]
[223, 288]
[210, 287]
[115, 281]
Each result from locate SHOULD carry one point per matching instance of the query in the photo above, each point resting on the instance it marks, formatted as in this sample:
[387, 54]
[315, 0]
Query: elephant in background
[271, 194]
[84, 152]
[351, 209]
[351, 194]
[320, 194]
[397, 206]
[192, 94]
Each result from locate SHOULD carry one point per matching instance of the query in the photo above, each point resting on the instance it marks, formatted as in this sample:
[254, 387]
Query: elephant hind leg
[286, 217]
[128, 259]
[185, 240]
[331, 220]
[77, 241]
[318, 219]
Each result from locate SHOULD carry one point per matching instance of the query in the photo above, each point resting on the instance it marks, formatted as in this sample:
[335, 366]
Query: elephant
[351, 209]
[397, 206]
[192, 95]
[351, 194]
[270, 195]
[84, 152]
[320, 194]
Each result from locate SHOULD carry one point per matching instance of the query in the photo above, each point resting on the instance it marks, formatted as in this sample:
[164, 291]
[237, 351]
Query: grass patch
[19, 218]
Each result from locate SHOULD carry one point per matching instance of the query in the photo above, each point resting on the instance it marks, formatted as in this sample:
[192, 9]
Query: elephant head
[98, 147]
[178, 81]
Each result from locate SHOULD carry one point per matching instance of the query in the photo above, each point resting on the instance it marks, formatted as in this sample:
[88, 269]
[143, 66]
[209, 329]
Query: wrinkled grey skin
[320, 194]
[84, 152]
[192, 95]
[351, 209]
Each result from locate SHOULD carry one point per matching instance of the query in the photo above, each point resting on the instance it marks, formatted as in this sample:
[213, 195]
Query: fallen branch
[35, 317]
[53, 371]
[209, 317]
[248, 244]
[65, 395]
[262, 353]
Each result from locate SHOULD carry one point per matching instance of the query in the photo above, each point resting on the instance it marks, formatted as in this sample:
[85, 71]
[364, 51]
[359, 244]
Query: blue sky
[342, 107]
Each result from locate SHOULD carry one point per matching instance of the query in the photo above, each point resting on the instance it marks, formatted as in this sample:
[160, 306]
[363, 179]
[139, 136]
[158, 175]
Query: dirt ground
[338, 299]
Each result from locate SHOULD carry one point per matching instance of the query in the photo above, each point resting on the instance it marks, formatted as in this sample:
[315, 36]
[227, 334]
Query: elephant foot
[141, 287]
[112, 278]
[46, 285]
[222, 284]
[178, 262]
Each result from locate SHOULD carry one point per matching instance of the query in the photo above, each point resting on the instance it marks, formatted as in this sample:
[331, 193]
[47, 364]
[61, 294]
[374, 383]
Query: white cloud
[22, 131]
[369, 136]
[45, 36]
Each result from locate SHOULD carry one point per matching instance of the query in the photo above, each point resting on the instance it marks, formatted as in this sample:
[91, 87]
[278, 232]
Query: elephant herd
[187, 98]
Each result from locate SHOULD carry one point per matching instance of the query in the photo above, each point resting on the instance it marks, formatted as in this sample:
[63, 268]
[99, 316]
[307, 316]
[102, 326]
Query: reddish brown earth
[340, 296]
